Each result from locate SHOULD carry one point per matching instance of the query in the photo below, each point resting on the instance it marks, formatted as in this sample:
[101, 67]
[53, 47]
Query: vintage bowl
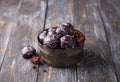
[62, 57]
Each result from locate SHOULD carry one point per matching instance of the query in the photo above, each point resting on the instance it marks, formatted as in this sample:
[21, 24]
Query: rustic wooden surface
[22, 20]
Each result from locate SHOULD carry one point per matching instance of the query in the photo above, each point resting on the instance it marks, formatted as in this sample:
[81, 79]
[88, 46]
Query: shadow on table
[92, 59]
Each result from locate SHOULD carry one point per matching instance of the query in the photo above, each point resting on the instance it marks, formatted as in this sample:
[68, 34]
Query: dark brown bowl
[62, 57]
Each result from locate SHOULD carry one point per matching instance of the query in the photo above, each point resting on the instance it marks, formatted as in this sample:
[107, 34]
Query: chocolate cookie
[51, 41]
[67, 41]
[28, 51]
[42, 36]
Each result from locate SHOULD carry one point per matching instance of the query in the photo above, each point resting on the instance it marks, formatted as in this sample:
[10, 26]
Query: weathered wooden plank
[59, 11]
[97, 64]
[111, 17]
[28, 22]
[115, 5]
[6, 24]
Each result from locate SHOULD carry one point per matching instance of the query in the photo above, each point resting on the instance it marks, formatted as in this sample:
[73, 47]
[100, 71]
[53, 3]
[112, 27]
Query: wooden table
[22, 20]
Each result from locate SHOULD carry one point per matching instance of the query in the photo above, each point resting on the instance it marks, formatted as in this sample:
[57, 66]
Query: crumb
[34, 67]
[35, 59]
[44, 71]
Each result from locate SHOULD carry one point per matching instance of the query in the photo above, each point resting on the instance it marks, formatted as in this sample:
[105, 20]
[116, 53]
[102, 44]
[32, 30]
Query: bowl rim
[57, 48]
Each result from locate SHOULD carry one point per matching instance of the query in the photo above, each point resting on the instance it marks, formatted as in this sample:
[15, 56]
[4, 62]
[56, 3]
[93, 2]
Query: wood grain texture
[97, 64]
[22, 20]
[59, 11]
[110, 13]
[6, 25]
[26, 24]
